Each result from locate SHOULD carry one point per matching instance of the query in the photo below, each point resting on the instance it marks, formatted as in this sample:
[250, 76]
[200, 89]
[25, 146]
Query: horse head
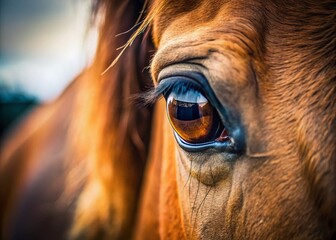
[248, 142]
[241, 145]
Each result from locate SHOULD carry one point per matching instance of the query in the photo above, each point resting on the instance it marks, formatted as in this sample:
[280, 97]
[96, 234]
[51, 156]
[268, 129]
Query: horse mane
[109, 133]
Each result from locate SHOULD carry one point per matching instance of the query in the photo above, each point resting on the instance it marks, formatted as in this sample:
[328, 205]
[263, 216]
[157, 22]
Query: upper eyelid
[182, 87]
[165, 85]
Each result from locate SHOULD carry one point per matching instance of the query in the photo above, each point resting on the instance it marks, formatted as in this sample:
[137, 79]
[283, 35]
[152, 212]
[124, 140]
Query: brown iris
[193, 117]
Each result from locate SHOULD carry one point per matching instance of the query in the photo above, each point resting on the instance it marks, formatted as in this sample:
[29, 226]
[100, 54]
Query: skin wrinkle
[193, 207]
[186, 183]
[201, 204]
[197, 191]
[177, 51]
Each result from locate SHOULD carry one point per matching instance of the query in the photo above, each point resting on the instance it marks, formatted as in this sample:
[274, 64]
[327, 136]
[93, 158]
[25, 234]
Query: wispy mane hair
[109, 134]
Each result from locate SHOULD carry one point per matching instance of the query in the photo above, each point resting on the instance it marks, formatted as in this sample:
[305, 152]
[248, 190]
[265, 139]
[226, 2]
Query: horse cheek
[171, 226]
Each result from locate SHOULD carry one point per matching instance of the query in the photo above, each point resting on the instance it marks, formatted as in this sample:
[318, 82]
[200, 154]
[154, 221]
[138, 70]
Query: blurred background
[44, 44]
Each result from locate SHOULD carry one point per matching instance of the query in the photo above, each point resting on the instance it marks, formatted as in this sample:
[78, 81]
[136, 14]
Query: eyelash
[167, 86]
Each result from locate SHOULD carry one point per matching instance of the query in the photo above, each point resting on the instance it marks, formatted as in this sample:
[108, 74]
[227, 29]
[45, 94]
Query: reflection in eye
[193, 117]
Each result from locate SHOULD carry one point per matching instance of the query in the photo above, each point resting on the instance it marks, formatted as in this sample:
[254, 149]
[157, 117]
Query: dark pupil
[187, 111]
[192, 121]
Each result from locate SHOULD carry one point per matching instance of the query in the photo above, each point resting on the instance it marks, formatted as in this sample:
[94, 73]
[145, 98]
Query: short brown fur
[123, 177]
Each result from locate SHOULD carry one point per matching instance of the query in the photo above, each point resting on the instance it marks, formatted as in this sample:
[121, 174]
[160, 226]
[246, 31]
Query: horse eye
[193, 117]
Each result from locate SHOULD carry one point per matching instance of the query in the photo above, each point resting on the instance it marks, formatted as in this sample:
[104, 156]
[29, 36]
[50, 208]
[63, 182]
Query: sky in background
[44, 44]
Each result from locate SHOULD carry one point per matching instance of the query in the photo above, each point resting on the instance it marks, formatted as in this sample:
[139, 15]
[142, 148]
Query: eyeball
[193, 117]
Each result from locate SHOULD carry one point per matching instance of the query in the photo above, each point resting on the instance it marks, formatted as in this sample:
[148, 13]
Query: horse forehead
[177, 18]
[190, 30]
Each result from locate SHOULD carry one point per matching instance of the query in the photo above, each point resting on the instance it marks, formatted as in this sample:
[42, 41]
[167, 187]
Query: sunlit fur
[120, 174]
[113, 140]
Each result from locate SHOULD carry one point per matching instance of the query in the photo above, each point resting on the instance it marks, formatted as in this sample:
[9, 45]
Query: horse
[214, 120]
